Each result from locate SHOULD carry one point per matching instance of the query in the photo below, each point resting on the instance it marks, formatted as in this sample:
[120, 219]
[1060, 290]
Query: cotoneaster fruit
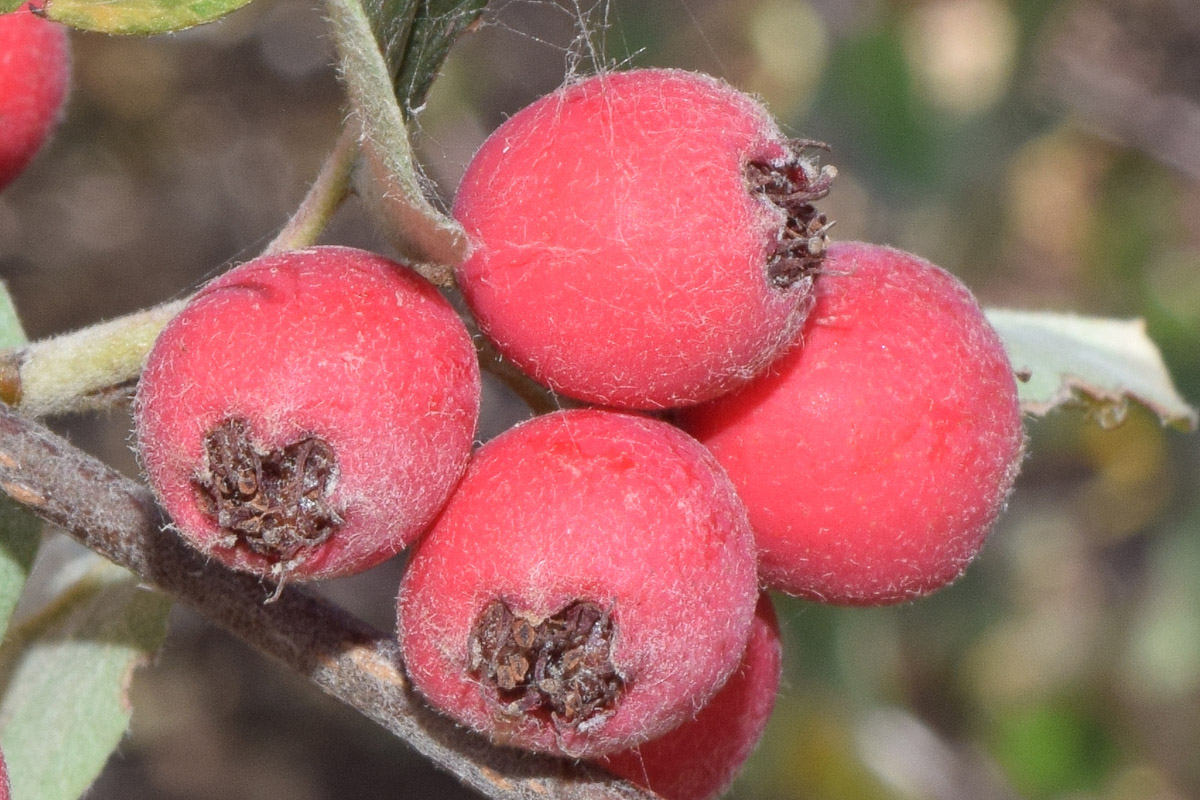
[307, 414]
[875, 456]
[699, 759]
[34, 74]
[589, 585]
[641, 239]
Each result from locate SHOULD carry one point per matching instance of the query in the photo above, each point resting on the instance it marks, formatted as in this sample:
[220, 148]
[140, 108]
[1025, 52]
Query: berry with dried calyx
[588, 586]
[642, 239]
[307, 414]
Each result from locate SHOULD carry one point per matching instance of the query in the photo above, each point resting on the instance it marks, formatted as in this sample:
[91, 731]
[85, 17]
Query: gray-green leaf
[20, 536]
[65, 677]
[1098, 363]
[20, 531]
[415, 37]
[11, 332]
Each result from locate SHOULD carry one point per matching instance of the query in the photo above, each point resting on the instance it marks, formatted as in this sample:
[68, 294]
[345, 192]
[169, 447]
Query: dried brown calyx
[560, 666]
[794, 186]
[276, 502]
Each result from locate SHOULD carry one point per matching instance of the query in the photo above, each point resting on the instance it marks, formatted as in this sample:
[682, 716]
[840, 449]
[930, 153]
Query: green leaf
[1100, 364]
[138, 16]
[20, 531]
[437, 24]
[415, 37]
[20, 537]
[65, 676]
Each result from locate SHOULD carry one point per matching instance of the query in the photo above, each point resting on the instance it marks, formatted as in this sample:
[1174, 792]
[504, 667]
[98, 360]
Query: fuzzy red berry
[588, 586]
[641, 239]
[699, 759]
[307, 414]
[875, 457]
[5, 791]
[34, 72]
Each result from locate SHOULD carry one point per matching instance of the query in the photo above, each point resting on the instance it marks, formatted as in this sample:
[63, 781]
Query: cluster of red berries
[771, 411]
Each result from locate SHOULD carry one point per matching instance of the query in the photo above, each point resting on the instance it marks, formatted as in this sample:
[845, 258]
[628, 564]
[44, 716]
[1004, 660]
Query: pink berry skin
[588, 586]
[641, 239]
[875, 457]
[308, 413]
[699, 759]
[5, 791]
[34, 74]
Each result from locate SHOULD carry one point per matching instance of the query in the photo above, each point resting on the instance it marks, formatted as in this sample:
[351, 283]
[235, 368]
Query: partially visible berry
[589, 585]
[642, 239]
[5, 791]
[699, 759]
[34, 73]
[875, 456]
[307, 414]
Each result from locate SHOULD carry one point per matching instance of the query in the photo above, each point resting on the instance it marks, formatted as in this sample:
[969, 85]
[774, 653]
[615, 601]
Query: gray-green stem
[389, 182]
[91, 368]
[324, 197]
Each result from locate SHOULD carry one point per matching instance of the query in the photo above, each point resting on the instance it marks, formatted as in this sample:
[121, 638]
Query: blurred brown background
[1046, 152]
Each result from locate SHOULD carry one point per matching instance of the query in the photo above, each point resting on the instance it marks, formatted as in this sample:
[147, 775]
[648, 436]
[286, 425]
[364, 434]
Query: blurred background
[1046, 152]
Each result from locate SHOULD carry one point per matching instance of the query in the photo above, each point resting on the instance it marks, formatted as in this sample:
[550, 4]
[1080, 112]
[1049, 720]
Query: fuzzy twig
[91, 368]
[324, 197]
[345, 657]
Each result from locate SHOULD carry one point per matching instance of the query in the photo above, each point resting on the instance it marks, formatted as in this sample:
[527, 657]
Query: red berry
[641, 239]
[5, 791]
[875, 456]
[307, 414]
[34, 71]
[699, 759]
[588, 586]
